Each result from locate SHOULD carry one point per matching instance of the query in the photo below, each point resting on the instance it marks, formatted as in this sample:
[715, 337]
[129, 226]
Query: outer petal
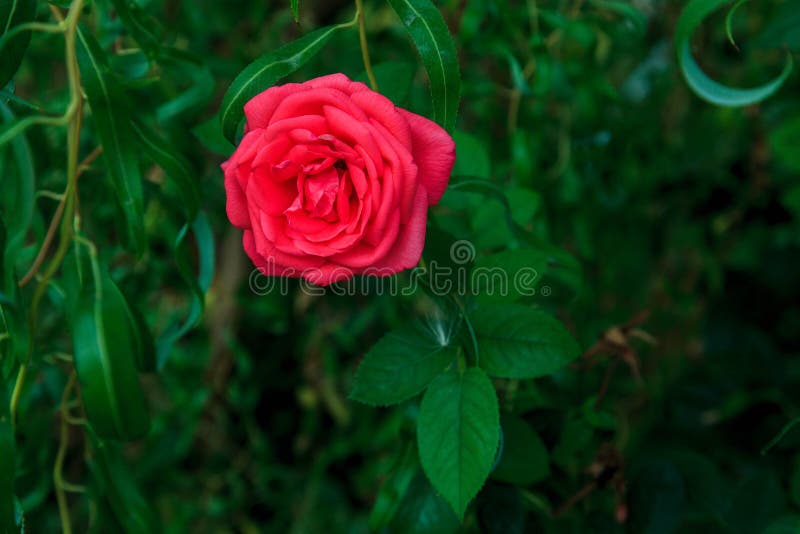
[434, 153]
[338, 81]
[235, 203]
[327, 274]
[381, 109]
[410, 241]
[260, 108]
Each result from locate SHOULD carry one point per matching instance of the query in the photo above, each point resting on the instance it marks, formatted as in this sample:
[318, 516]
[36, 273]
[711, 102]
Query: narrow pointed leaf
[458, 432]
[13, 13]
[400, 366]
[18, 187]
[199, 91]
[8, 466]
[104, 350]
[174, 164]
[521, 342]
[198, 281]
[116, 485]
[427, 29]
[112, 121]
[706, 88]
[265, 71]
[142, 27]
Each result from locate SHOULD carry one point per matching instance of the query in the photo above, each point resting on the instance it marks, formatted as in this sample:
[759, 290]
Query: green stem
[362, 37]
[12, 409]
[58, 468]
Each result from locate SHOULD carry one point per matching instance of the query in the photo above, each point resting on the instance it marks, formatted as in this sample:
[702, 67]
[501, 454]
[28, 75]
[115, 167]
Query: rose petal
[381, 109]
[338, 81]
[434, 154]
[235, 203]
[260, 108]
[410, 241]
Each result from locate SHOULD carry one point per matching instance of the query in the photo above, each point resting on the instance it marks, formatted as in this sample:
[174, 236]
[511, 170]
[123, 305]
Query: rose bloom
[331, 180]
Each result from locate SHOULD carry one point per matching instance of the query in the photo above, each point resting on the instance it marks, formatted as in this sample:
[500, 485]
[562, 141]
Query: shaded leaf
[144, 29]
[198, 283]
[508, 275]
[393, 489]
[199, 91]
[174, 164]
[112, 120]
[12, 14]
[18, 189]
[116, 485]
[104, 350]
[394, 79]
[423, 511]
[524, 458]
[714, 92]
[8, 466]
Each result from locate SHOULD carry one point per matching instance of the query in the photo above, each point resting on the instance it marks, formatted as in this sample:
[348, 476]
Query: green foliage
[106, 346]
[519, 342]
[14, 39]
[400, 366]
[265, 72]
[435, 46]
[458, 433]
[714, 92]
[112, 120]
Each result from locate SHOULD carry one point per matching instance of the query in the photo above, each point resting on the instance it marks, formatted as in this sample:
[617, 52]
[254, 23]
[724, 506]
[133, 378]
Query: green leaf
[784, 140]
[400, 366]
[706, 88]
[524, 458]
[210, 136]
[198, 283]
[18, 189]
[783, 28]
[393, 488]
[12, 14]
[144, 29]
[789, 524]
[112, 120]
[508, 275]
[295, 4]
[393, 77]
[729, 22]
[200, 90]
[422, 511]
[626, 9]
[521, 342]
[265, 71]
[14, 333]
[458, 432]
[104, 350]
[116, 485]
[143, 343]
[8, 466]
[174, 164]
[472, 159]
[427, 29]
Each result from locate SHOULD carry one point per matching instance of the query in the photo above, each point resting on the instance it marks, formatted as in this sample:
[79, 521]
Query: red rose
[331, 180]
